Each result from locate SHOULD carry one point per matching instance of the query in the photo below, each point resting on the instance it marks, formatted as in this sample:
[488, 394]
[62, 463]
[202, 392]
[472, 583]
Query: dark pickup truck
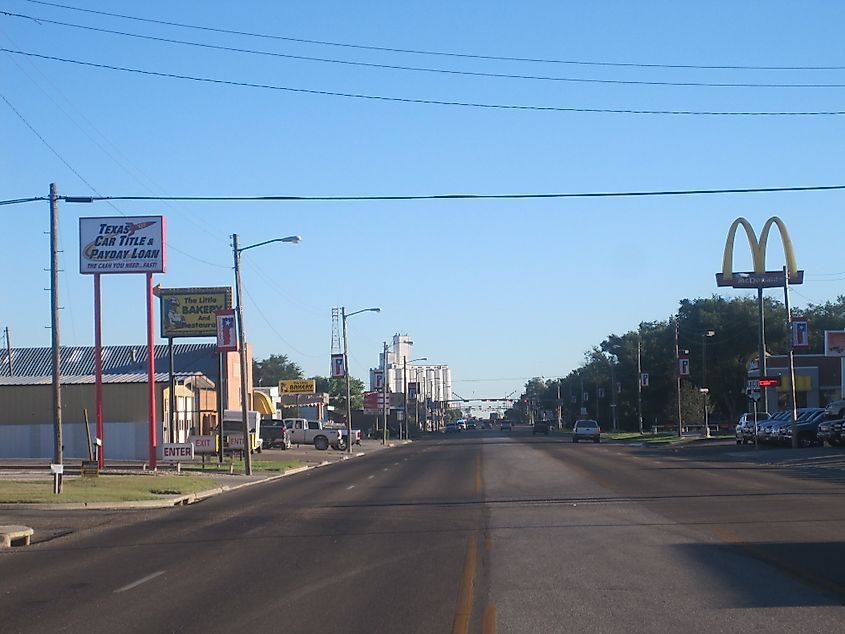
[540, 427]
[275, 434]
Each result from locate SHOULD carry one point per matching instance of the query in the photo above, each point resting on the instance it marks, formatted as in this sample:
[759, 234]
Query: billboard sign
[413, 390]
[834, 343]
[123, 244]
[227, 336]
[191, 312]
[298, 386]
[759, 277]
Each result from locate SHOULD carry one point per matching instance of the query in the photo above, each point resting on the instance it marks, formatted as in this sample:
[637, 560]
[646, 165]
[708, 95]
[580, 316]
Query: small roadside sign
[177, 452]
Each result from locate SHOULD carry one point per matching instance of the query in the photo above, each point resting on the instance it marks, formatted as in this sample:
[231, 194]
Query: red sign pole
[151, 372]
[98, 370]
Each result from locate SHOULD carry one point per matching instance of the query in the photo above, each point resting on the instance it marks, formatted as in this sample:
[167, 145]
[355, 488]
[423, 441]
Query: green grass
[213, 466]
[106, 488]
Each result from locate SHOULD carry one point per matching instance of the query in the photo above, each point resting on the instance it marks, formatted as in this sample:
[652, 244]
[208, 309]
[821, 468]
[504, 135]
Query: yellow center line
[463, 610]
[488, 622]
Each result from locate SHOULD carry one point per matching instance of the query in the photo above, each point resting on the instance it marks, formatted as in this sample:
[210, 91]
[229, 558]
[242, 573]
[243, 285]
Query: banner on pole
[227, 336]
[338, 367]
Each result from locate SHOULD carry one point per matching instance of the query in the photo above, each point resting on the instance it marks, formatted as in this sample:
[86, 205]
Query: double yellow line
[463, 610]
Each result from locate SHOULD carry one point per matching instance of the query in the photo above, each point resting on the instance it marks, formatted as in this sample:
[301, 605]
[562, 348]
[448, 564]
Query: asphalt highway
[476, 532]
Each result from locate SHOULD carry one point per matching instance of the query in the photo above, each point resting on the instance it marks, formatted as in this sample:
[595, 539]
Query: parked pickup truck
[274, 434]
[311, 432]
[341, 444]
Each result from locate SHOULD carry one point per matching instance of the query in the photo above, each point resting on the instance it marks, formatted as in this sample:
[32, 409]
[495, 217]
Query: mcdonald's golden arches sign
[759, 277]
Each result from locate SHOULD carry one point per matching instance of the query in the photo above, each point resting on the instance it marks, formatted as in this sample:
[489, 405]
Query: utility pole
[613, 395]
[9, 352]
[242, 346]
[346, 379]
[678, 374]
[385, 409]
[639, 380]
[559, 412]
[790, 346]
[56, 341]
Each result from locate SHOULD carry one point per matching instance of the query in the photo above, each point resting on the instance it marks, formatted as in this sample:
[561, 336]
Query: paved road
[478, 532]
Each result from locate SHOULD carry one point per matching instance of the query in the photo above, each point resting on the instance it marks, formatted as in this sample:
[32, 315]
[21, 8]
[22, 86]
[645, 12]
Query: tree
[336, 389]
[275, 368]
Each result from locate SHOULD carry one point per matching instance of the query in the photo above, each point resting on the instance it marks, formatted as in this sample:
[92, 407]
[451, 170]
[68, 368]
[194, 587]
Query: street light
[344, 317]
[236, 251]
[405, 391]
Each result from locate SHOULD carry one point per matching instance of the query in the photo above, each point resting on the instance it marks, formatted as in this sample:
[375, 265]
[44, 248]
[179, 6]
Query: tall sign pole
[639, 380]
[151, 373]
[56, 343]
[790, 342]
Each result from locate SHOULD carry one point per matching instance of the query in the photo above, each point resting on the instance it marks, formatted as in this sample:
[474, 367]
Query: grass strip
[105, 488]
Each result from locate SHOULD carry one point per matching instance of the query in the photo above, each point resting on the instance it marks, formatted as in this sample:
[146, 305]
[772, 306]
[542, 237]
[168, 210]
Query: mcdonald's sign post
[759, 277]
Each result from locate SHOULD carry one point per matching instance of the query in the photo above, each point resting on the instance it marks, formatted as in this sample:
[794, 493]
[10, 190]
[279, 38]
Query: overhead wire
[419, 101]
[420, 69]
[441, 53]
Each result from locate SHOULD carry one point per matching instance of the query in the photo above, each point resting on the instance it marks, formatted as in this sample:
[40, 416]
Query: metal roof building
[79, 360]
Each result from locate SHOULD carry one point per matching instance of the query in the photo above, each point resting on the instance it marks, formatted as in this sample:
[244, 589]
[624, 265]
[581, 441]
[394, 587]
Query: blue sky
[501, 290]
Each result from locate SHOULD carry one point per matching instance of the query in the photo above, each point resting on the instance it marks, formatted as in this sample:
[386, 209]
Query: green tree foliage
[336, 389]
[728, 355]
[275, 368]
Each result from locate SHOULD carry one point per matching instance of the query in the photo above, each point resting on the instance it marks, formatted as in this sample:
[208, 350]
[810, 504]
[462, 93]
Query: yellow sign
[298, 386]
[190, 312]
[759, 278]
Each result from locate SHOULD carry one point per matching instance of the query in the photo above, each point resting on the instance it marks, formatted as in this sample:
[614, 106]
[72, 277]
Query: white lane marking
[396, 463]
[135, 584]
[405, 459]
[385, 469]
[370, 477]
[351, 486]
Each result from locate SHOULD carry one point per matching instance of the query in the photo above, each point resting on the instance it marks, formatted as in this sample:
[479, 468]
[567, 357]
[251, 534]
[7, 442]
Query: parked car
[274, 434]
[505, 425]
[540, 427]
[451, 427]
[806, 426]
[471, 424]
[341, 445]
[462, 424]
[770, 427]
[745, 432]
[233, 430]
[586, 430]
[830, 431]
[835, 410]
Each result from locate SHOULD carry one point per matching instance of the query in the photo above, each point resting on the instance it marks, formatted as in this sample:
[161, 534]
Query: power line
[388, 49]
[622, 194]
[446, 71]
[437, 102]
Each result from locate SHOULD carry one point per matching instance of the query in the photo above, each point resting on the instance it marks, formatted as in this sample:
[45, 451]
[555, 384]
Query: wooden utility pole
[56, 341]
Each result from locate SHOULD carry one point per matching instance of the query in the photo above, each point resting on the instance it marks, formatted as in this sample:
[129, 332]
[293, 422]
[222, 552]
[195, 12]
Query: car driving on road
[540, 427]
[586, 430]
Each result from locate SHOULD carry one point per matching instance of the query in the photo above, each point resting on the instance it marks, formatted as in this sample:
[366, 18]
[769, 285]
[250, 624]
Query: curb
[182, 500]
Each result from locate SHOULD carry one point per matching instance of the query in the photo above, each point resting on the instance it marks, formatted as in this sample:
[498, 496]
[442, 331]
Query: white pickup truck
[233, 431]
[311, 432]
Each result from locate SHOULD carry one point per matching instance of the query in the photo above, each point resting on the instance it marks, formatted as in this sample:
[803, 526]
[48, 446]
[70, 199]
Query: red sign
[769, 381]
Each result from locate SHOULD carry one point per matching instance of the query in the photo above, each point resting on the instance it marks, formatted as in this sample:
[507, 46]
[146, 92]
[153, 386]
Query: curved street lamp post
[344, 316]
[236, 251]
